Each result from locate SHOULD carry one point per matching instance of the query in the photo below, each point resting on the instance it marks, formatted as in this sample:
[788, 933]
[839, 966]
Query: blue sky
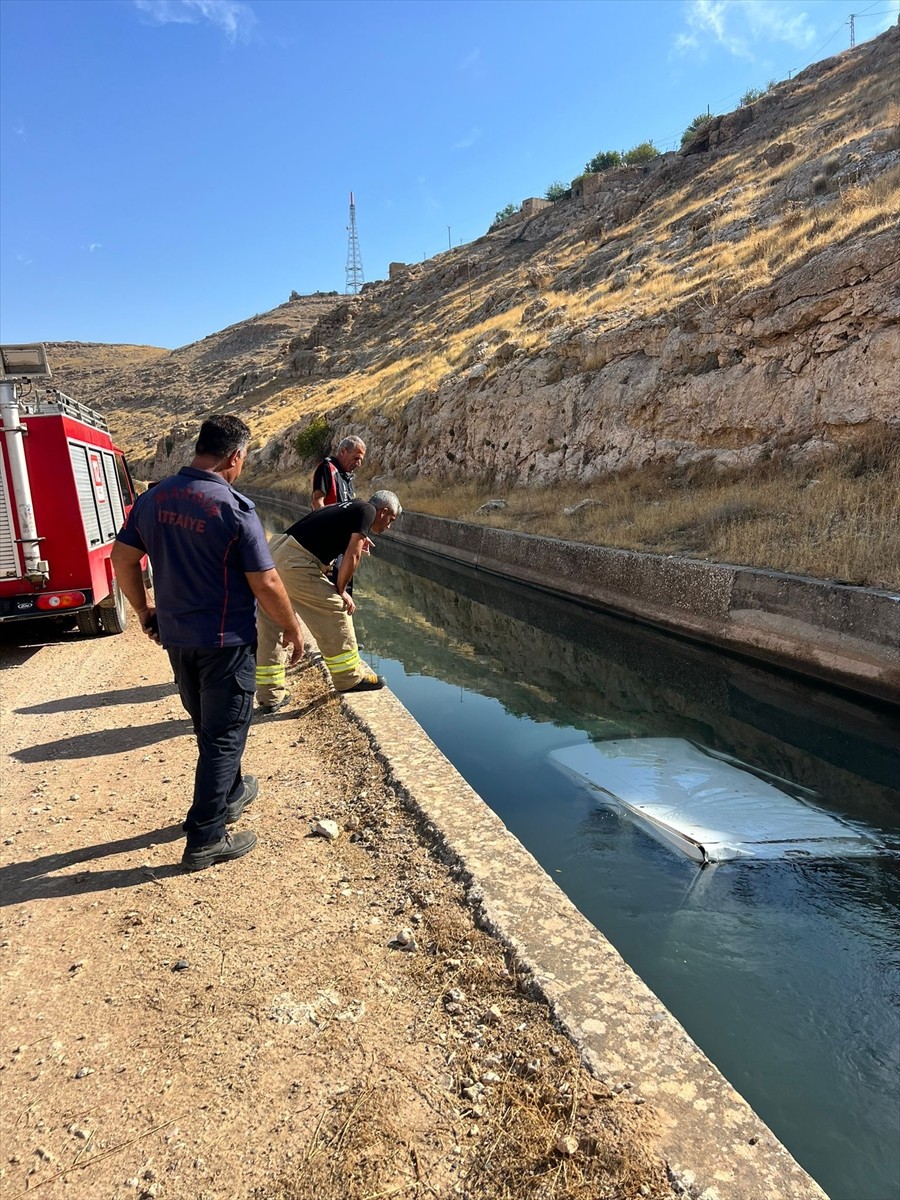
[170, 167]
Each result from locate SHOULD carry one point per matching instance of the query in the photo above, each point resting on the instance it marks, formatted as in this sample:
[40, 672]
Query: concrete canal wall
[716, 1147]
[839, 634]
[836, 633]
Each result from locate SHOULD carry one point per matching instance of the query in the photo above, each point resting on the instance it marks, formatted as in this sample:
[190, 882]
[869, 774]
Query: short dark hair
[221, 435]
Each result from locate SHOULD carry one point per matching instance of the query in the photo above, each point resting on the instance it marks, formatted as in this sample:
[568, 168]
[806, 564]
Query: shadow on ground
[103, 741]
[145, 694]
[38, 879]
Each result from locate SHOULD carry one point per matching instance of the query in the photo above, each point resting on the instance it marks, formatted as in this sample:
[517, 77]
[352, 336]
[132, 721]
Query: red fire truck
[65, 490]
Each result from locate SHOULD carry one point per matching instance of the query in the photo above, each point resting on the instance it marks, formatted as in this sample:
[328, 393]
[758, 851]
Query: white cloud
[469, 140]
[472, 61]
[234, 19]
[743, 26]
[93, 246]
[777, 22]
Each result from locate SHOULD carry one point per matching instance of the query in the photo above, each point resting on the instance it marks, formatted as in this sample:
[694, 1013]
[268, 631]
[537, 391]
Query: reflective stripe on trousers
[270, 676]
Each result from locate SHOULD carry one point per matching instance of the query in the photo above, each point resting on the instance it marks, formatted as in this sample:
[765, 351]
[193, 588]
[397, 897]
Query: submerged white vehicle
[707, 805]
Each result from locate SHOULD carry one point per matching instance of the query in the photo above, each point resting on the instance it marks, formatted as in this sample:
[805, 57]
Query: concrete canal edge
[716, 1147]
[836, 633]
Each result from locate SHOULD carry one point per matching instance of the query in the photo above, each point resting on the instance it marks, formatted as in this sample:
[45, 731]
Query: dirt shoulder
[254, 1030]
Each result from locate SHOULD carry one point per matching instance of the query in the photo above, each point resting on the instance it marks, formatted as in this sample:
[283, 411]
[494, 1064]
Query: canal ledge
[714, 1144]
[836, 633]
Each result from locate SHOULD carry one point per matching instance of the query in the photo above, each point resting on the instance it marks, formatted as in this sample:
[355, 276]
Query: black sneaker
[231, 846]
[249, 792]
[266, 710]
[369, 683]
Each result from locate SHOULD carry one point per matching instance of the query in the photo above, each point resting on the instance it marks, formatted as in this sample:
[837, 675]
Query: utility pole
[449, 243]
[852, 24]
[355, 277]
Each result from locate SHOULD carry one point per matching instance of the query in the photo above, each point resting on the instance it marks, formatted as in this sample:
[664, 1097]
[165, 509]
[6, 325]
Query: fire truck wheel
[113, 611]
[89, 621]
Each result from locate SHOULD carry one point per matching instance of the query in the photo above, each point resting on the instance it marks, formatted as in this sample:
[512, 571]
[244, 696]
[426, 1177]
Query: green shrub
[313, 441]
[752, 95]
[603, 161]
[641, 153]
[695, 126]
[557, 191]
[503, 215]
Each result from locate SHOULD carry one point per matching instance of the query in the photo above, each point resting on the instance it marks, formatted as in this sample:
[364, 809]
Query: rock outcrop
[737, 297]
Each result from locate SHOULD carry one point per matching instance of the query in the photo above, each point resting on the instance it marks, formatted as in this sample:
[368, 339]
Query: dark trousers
[216, 688]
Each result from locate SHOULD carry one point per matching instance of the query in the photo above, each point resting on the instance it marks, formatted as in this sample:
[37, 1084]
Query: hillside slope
[732, 304]
[144, 389]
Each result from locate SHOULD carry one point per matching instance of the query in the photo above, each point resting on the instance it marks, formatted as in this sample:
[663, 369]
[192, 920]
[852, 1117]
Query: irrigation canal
[785, 973]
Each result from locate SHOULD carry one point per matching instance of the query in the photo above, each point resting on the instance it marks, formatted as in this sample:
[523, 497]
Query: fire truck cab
[65, 490]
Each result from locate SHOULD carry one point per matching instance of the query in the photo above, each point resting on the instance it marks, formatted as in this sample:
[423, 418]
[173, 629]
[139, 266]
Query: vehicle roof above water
[707, 805]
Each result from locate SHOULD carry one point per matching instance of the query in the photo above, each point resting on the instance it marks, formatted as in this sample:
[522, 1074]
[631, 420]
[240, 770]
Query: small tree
[557, 191]
[603, 161]
[503, 215]
[641, 153]
[752, 95]
[312, 442]
[695, 126]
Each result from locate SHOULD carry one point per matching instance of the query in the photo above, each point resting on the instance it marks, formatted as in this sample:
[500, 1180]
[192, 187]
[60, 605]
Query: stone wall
[839, 634]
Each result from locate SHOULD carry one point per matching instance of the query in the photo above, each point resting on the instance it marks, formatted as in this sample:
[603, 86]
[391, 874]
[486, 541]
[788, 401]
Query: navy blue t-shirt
[201, 537]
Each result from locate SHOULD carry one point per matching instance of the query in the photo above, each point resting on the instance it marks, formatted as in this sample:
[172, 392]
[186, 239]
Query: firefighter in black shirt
[303, 556]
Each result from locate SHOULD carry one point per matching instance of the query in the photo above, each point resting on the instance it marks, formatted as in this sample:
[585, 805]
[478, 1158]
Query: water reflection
[784, 973]
[549, 660]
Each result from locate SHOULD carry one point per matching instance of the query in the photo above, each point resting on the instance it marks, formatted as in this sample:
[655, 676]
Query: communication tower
[355, 277]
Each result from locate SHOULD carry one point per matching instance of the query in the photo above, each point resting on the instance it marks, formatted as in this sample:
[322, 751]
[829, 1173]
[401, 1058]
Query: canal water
[785, 973]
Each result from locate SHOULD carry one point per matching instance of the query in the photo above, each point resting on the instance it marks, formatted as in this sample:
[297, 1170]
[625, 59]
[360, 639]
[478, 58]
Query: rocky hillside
[737, 296]
[145, 390]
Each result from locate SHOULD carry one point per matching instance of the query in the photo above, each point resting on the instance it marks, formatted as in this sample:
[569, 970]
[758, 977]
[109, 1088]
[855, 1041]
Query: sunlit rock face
[719, 303]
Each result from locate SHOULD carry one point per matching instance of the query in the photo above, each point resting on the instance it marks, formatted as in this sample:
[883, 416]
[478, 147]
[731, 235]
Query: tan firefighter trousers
[321, 608]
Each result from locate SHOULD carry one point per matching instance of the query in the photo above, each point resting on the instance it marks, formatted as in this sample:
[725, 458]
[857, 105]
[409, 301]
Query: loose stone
[327, 829]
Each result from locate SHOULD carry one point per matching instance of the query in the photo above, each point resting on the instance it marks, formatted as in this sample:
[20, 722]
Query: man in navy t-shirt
[211, 564]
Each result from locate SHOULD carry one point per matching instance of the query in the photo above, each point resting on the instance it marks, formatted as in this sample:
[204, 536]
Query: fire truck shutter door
[112, 490]
[10, 566]
[86, 499]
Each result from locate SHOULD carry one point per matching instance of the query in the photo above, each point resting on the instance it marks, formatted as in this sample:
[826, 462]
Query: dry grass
[711, 273]
[509, 1147]
[833, 517]
[357, 1152]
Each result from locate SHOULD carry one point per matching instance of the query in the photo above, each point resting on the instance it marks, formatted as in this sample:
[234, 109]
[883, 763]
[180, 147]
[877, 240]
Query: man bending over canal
[303, 556]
